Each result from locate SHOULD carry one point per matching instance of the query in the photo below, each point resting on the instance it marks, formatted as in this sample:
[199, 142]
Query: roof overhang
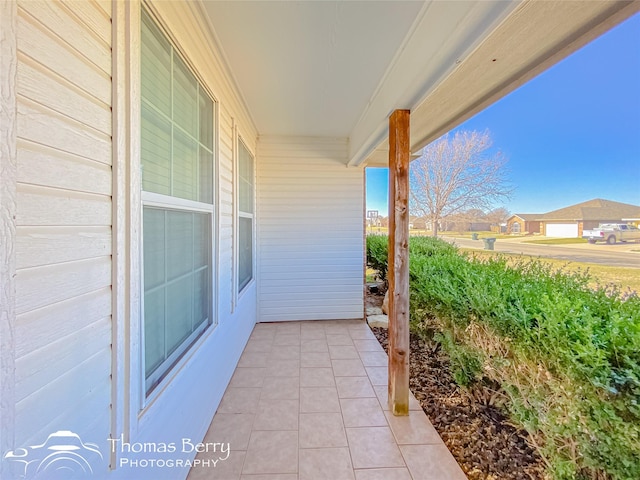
[339, 69]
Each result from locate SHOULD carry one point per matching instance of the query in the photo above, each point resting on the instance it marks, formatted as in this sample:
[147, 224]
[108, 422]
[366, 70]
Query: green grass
[556, 241]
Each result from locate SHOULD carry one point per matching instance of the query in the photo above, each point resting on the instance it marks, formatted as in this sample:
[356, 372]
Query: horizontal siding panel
[63, 354]
[61, 96]
[89, 417]
[60, 21]
[104, 6]
[317, 312]
[36, 246]
[47, 127]
[80, 392]
[42, 286]
[47, 49]
[57, 18]
[37, 328]
[42, 165]
[320, 288]
[92, 16]
[321, 243]
[52, 206]
[310, 279]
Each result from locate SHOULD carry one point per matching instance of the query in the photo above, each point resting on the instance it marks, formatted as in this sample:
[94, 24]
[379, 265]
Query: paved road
[620, 255]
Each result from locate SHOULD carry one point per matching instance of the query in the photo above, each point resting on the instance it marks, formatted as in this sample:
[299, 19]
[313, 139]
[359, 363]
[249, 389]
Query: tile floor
[308, 401]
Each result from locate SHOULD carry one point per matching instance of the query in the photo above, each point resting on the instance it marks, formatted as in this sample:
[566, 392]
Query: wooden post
[398, 271]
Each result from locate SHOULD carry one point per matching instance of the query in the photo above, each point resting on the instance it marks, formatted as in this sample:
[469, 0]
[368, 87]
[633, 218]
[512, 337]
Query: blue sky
[571, 134]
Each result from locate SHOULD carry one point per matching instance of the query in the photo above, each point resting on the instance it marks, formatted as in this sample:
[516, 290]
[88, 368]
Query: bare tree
[457, 174]
[498, 215]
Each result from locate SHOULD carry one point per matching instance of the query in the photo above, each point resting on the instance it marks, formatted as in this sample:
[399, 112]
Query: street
[619, 255]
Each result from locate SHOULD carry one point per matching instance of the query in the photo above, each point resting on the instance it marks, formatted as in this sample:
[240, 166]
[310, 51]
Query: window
[177, 126]
[245, 216]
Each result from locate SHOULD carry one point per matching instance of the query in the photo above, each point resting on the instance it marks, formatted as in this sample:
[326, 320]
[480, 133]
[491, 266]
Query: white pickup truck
[611, 233]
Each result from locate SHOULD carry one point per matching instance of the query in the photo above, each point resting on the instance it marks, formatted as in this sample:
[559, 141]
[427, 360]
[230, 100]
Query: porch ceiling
[339, 68]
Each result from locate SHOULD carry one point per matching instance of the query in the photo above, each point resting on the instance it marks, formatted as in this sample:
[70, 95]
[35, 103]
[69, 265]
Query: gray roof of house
[596, 209]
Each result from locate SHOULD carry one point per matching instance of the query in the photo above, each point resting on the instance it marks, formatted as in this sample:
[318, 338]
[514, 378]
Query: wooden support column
[398, 271]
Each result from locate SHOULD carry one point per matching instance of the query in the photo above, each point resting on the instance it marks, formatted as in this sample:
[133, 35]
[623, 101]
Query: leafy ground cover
[562, 357]
[626, 280]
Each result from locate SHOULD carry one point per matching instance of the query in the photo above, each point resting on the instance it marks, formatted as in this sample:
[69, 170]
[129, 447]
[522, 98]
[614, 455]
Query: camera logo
[63, 456]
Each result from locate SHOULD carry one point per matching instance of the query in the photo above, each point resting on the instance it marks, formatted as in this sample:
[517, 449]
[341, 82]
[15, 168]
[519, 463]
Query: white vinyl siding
[63, 236]
[177, 183]
[310, 222]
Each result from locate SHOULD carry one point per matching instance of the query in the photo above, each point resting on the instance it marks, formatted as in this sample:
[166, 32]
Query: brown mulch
[478, 434]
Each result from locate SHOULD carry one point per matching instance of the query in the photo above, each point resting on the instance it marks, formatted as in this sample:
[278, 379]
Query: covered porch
[308, 400]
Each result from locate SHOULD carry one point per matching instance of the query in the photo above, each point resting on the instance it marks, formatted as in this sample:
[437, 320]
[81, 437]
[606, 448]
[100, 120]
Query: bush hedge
[567, 356]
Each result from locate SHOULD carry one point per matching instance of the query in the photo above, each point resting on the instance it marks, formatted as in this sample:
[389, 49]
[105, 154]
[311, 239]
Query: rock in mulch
[479, 436]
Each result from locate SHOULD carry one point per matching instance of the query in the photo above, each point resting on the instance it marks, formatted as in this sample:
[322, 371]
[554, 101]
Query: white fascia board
[534, 36]
[443, 34]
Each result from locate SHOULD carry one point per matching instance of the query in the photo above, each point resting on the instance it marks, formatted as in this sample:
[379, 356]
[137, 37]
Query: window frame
[167, 370]
[238, 214]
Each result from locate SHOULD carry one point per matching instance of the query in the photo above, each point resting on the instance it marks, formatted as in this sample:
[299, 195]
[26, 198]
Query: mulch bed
[479, 435]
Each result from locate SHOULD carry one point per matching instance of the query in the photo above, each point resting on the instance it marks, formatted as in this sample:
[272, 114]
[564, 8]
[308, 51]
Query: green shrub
[567, 356]
[377, 248]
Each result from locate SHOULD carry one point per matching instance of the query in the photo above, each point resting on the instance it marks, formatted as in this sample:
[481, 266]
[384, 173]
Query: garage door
[564, 230]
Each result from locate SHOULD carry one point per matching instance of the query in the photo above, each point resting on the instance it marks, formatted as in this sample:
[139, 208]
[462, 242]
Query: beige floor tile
[272, 452]
[240, 400]
[287, 339]
[277, 476]
[288, 328]
[368, 345]
[383, 397]
[265, 327]
[343, 352]
[336, 329]
[348, 368]
[316, 377]
[285, 353]
[339, 339]
[283, 368]
[231, 428]
[263, 334]
[320, 430]
[361, 332]
[354, 387]
[228, 469]
[253, 359]
[248, 377]
[281, 388]
[414, 429]
[362, 412]
[313, 333]
[277, 415]
[319, 400]
[378, 375]
[316, 345]
[325, 464]
[374, 447]
[259, 345]
[384, 474]
[431, 462]
[374, 359]
[315, 359]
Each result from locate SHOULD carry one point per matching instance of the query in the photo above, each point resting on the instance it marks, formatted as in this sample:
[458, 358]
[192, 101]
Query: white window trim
[131, 406]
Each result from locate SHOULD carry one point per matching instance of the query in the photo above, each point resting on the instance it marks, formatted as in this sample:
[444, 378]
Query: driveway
[619, 255]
